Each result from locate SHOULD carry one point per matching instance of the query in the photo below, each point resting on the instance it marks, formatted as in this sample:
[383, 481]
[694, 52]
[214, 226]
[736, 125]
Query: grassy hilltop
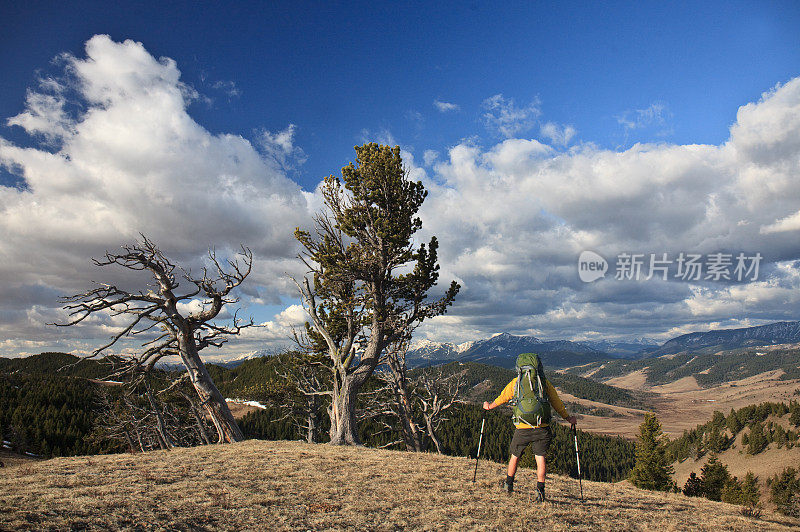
[295, 486]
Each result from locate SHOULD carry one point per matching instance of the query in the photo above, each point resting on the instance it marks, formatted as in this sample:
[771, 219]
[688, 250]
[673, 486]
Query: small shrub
[751, 510]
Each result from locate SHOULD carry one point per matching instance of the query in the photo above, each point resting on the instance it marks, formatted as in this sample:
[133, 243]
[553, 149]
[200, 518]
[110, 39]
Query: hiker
[532, 396]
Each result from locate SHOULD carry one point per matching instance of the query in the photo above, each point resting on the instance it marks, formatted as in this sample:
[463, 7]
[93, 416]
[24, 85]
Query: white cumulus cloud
[558, 135]
[512, 219]
[131, 159]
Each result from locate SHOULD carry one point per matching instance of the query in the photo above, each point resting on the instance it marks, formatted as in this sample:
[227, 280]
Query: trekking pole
[477, 457]
[577, 458]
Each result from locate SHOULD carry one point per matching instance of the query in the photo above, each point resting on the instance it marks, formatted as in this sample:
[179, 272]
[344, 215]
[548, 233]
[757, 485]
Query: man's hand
[572, 421]
[487, 405]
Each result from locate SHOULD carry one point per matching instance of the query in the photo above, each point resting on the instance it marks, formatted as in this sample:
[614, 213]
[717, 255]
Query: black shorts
[539, 439]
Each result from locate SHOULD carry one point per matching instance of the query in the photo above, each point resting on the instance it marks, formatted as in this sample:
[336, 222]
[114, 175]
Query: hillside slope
[772, 460]
[292, 486]
[783, 332]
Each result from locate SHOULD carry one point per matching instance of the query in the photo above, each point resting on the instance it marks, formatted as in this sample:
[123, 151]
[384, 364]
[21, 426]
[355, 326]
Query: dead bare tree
[394, 375]
[436, 392]
[151, 412]
[305, 393]
[418, 400]
[156, 315]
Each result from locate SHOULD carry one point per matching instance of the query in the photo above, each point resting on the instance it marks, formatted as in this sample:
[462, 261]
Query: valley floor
[259, 485]
[682, 405]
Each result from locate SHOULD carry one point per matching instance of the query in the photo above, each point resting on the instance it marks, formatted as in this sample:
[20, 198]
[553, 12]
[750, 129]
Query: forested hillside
[51, 415]
[50, 408]
[707, 369]
[749, 456]
[720, 432]
[56, 364]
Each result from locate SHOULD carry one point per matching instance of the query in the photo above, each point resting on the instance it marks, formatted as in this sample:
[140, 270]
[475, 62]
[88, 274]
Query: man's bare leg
[512, 465]
[541, 468]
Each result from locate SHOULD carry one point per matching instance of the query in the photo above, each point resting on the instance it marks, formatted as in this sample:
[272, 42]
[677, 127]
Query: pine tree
[693, 486]
[369, 281]
[785, 490]
[757, 440]
[794, 418]
[733, 423]
[714, 475]
[716, 442]
[652, 470]
[732, 491]
[750, 493]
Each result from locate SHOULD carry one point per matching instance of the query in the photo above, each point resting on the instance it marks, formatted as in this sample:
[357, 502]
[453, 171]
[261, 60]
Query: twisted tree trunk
[344, 430]
[347, 384]
[211, 400]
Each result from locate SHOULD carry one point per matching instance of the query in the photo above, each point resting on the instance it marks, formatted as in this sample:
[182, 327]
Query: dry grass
[259, 485]
[240, 410]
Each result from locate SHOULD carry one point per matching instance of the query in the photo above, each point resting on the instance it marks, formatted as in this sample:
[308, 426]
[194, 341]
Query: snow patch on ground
[247, 403]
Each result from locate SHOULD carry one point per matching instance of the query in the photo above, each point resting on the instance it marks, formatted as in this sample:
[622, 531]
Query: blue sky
[336, 70]
[463, 88]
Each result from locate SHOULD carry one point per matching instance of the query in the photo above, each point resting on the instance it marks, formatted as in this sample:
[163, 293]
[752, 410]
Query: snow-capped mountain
[502, 350]
[426, 352]
[234, 362]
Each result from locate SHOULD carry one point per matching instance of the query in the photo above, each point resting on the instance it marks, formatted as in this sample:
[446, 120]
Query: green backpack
[530, 401]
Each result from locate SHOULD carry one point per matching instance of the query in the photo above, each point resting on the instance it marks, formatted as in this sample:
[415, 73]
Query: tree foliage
[369, 283]
[785, 491]
[745, 492]
[713, 476]
[653, 470]
[719, 433]
[693, 486]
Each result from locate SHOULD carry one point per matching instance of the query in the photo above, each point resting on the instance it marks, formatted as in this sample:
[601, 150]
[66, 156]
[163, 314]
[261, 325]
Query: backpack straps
[541, 388]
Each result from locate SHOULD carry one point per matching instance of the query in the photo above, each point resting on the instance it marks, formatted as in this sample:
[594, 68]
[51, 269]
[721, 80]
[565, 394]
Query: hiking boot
[506, 486]
[540, 495]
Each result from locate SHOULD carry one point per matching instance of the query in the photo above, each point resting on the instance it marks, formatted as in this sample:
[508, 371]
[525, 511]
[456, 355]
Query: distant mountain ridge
[502, 350]
[624, 349]
[239, 360]
[782, 332]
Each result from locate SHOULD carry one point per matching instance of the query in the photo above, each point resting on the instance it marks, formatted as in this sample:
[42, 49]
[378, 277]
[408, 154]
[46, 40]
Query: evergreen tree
[794, 418]
[716, 442]
[714, 475]
[693, 486]
[369, 284]
[732, 491]
[733, 423]
[751, 494]
[652, 470]
[756, 440]
[785, 492]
